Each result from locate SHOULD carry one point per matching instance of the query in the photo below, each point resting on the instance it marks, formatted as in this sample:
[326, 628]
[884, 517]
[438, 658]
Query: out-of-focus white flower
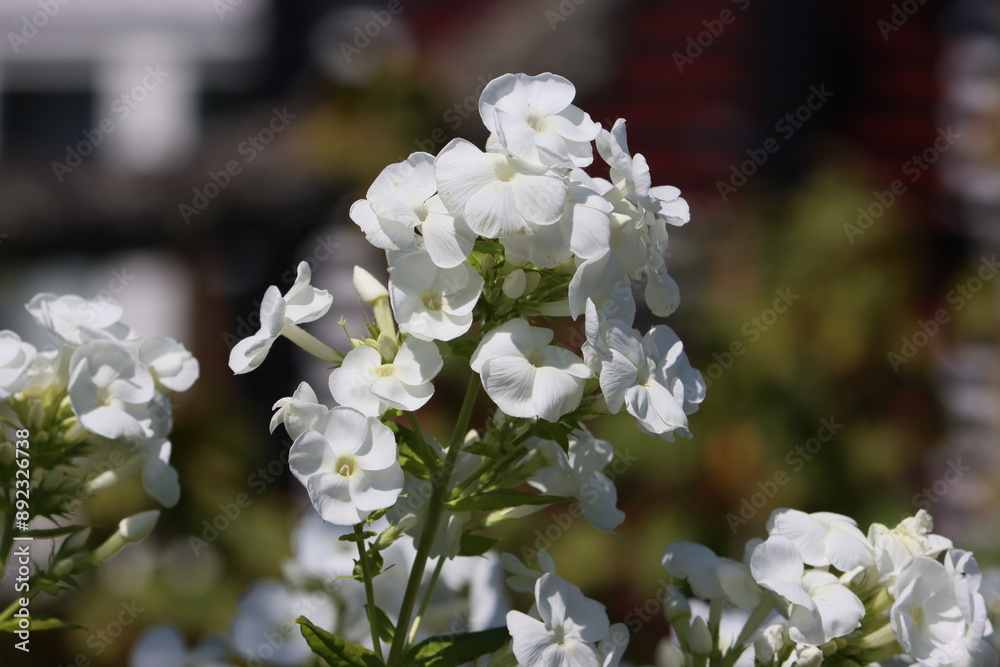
[820, 607]
[74, 320]
[430, 302]
[173, 368]
[319, 554]
[298, 412]
[107, 388]
[527, 377]
[710, 576]
[823, 538]
[371, 385]
[567, 630]
[497, 195]
[612, 647]
[264, 628]
[583, 231]
[534, 119]
[16, 358]
[163, 646]
[579, 474]
[938, 615]
[603, 281]
[348, 464]
[522, 578]
[301, 304]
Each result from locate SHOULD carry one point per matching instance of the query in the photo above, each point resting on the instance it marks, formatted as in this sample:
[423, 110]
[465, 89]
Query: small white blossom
[16, 360]
[368, 383]
[173, 368]
[430, 302]
[534, 119]
[823, 538]
[348, 464]
[163, 646]
[527, 377]
[108, 388]
[297, 412]
[74, 320]
[710, 576]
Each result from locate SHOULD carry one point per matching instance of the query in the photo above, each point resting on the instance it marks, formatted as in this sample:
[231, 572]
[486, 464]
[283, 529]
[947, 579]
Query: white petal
[556, 392]
[510, 381]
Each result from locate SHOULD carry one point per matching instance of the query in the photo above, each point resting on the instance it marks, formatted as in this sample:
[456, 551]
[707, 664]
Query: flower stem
[311, 344]
[434, 510]
[369, 590]
[427, 597]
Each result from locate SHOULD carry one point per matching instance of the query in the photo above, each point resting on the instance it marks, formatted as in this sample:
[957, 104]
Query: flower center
[346, 466]
[538, 123]
[506, 171]
[385, 370]
[559, 635]
[431, 300]
[918, 616]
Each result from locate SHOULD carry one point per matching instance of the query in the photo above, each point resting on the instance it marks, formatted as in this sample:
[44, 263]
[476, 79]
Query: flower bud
[676, 606]
[135, 528]
[700, 638]
[369, 288]
[514, 284]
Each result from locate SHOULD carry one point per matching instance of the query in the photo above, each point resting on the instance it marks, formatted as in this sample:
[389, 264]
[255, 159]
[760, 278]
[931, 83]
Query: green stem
[433, 518]
[9, 611]
[369, 590]
[427, 597]
[311, 344]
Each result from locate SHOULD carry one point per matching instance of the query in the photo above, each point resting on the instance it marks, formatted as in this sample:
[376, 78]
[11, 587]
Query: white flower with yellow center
[348, 464]
[430, 302]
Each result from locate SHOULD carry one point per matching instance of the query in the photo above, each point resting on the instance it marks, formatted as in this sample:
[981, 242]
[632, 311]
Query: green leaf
[386, 629]
[337, 651]
[451, 650]
[475, 545]
[37, 622]
[355, 537]
[502, 499]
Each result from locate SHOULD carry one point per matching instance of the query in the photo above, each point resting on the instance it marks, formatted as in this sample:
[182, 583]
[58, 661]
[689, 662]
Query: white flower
[583, 230]
[481, 581]
[709, 576]
[497, 195]
[108, 388]
[348, 464]
[534, 120]
[604, 281]
[319, 553]
[264, 627]
[823, 538]
[522, 578]
[568, 627]
[298, 412]
[302, 303]
[163, 646]
[430, 302]
[527, 377]
[650, 376]
[939, 616]
[16, 359]
[173, 368]
[912, 537]
[580, 474]
[371, 385]
[820, 607]
[151, 458]
[75, 320]
[630, 175]
[612, 647]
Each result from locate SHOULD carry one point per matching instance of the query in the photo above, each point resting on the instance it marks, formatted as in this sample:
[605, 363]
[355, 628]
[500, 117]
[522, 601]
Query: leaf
[502, 499]
[475, 545]
[451, 650]
[337, 651]
[37, 622]
[386, 629]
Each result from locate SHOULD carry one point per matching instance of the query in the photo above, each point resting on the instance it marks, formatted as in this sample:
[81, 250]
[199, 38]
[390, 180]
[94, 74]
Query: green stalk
[311, 344]
[427, 597]
[434, 511]
[369, 590]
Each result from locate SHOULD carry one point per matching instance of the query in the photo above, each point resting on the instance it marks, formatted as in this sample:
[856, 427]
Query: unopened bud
[700, 638]
[514, 284]
[369, 288]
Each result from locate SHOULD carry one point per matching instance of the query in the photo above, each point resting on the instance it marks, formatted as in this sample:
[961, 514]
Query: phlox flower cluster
[820, 591]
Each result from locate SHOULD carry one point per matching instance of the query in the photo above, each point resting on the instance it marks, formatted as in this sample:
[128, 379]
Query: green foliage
[337, 652]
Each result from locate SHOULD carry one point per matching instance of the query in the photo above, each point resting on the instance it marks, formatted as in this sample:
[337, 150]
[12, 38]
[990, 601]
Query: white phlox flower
[651, 377]
[820, 608]
[522, 578]
[172, 366]
[404, 199]
[497, 195]
[604, 281]
[823, 538]
[16, 360]
[297, 412]
[370, 384]
[319, 555]
[348, 464]
[580, 474]
[939, 616]
[527, 377]
[301, 304]
[567, 629]
[612, 647]
[265, 622]
[482, 580]
[911, 537]
[534, 119]
[108, 389]
[74, 320]
[430, 302]
[583, 231]
[710, 576]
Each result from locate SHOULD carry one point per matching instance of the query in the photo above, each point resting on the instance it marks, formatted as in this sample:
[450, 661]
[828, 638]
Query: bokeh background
[841, 159]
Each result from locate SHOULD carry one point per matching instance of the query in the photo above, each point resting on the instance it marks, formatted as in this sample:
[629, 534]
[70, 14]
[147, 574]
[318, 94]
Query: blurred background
[841, 159]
